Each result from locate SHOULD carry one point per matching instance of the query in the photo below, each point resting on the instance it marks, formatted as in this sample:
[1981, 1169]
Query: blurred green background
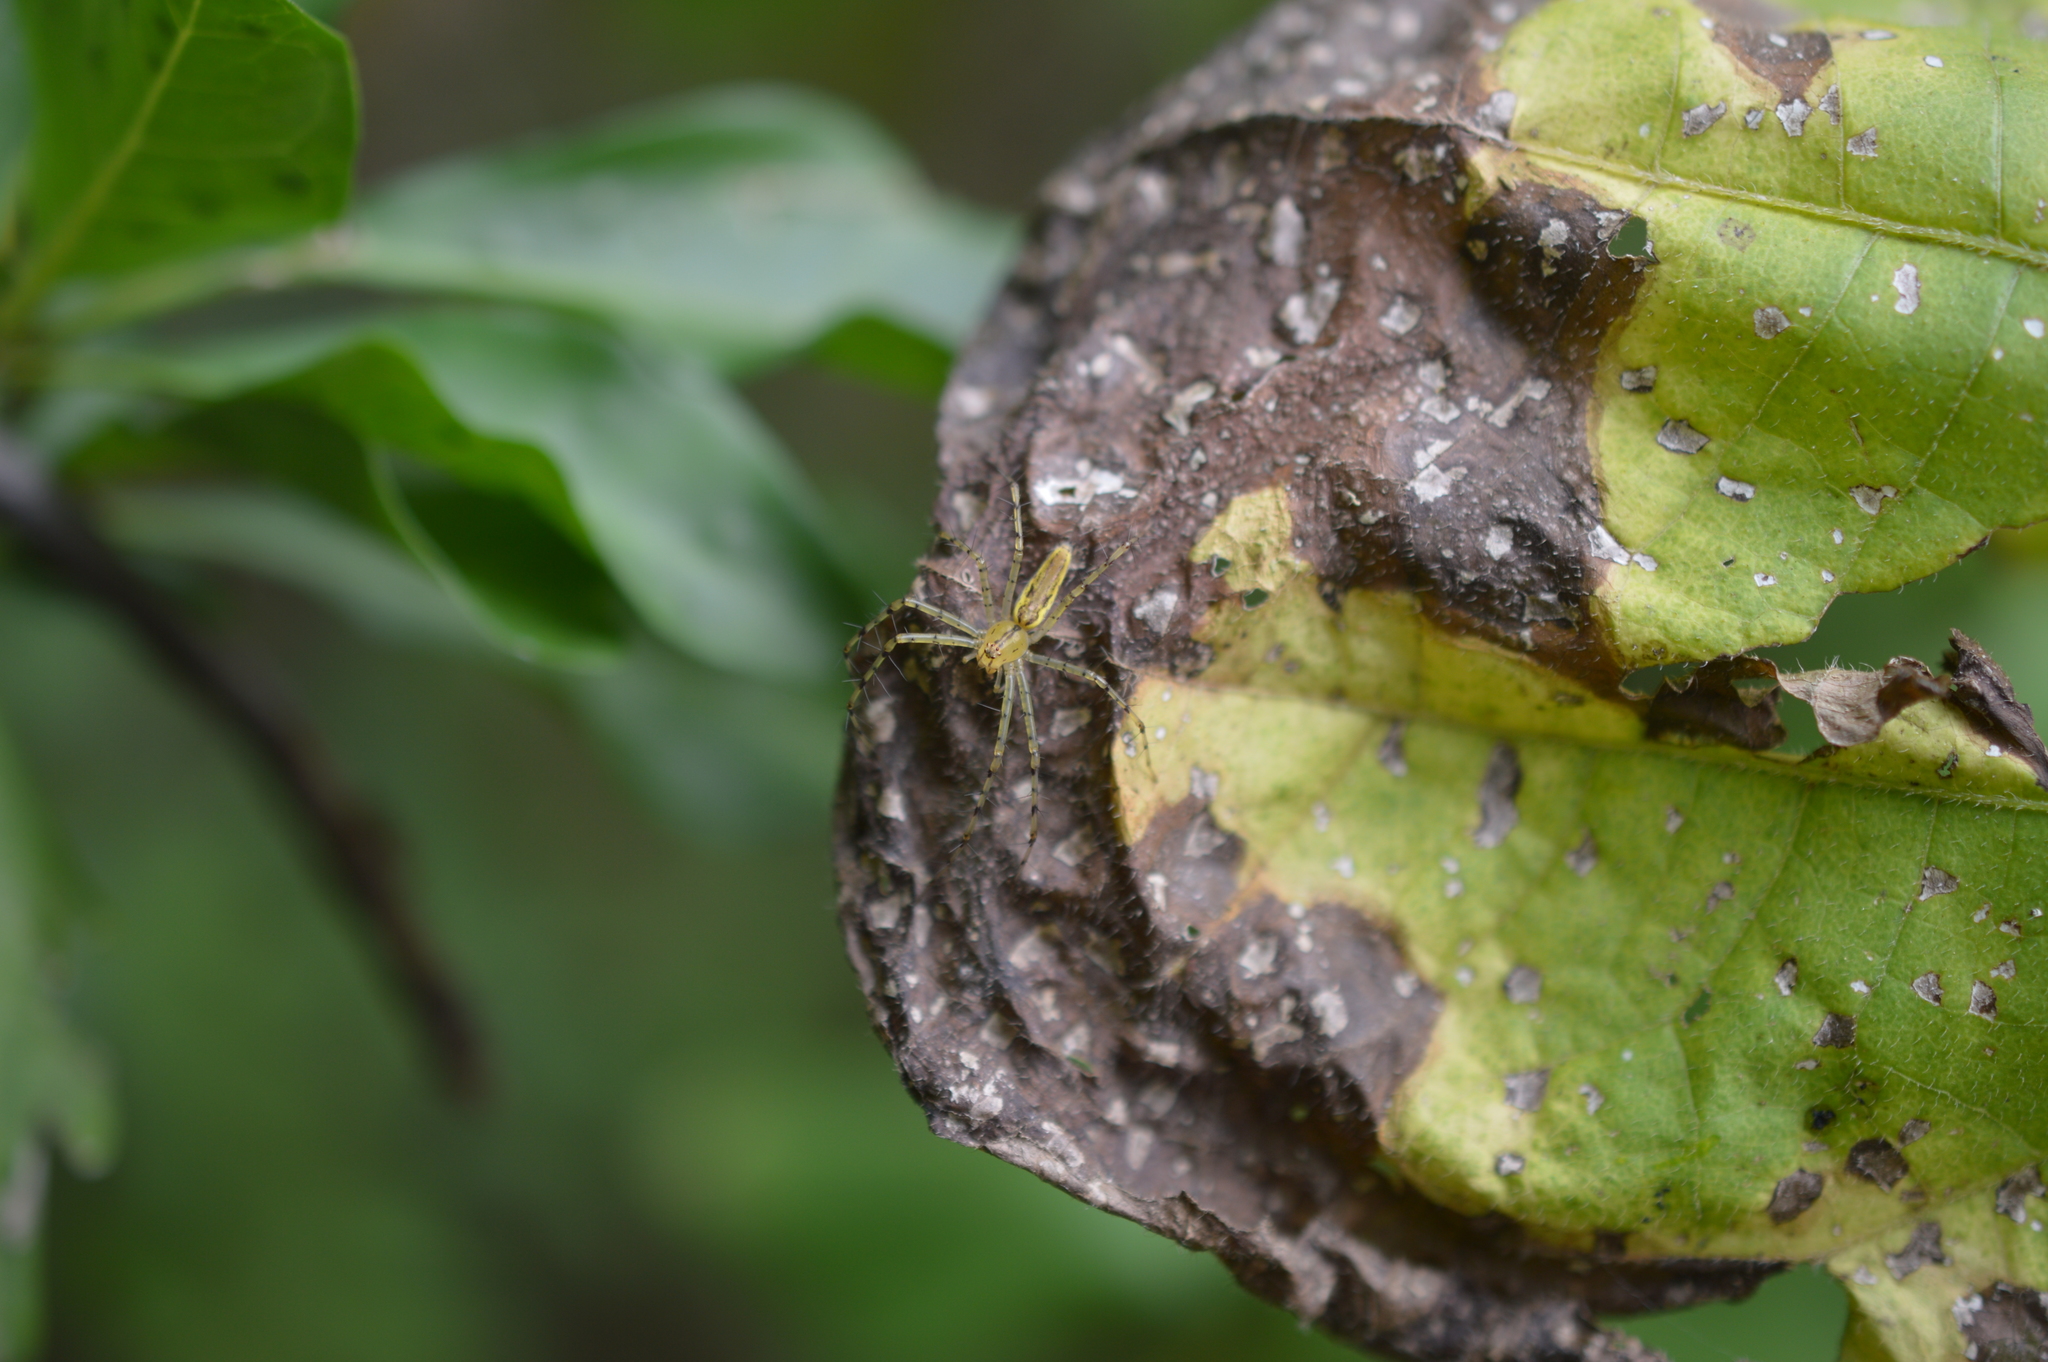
[695, 1147]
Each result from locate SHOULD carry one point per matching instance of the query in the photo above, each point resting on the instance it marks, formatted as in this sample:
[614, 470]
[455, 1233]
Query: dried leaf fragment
[1852, 706]
[1980, 688]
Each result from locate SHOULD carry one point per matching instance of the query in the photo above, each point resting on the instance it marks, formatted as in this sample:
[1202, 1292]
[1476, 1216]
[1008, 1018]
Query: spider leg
[945, 617]
[995, 762]
[988, 600]
[1073, 595]
[1031, 743]
[1079, 673]
[897, 607]
[1016, 554]
[861, 687]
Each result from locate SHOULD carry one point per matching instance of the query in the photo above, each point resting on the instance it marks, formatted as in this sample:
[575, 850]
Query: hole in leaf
[1645, 682]
[1632, 242]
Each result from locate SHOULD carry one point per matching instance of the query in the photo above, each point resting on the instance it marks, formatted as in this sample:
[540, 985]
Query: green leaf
[723, 756]
[167, 127]
[1609, 920]
[744, 222]
[539, 593]
[53, 1089]
[634, 450]
[17, 117]
[292, 539]
[530, 585]
[1852, 316]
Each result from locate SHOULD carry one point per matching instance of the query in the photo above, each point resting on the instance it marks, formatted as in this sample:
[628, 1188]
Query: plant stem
[349, 837]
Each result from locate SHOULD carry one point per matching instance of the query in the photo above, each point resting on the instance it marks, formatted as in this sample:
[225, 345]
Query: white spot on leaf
[1735, 490]
[1700, 117]
[1906, 282]
[1864, 144]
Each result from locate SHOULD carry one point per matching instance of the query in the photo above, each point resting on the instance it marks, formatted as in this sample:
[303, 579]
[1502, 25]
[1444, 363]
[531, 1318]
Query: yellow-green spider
[1003, 648]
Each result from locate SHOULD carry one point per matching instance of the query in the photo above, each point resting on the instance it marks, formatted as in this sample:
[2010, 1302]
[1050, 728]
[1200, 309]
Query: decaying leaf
[1392, 948]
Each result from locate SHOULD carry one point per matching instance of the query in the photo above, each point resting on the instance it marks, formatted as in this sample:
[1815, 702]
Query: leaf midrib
[43, 269]
[1845, 217]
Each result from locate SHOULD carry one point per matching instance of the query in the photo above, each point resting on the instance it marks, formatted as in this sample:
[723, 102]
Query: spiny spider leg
[897, 607]
[1016, 555]
[945, 617]
[988, 600]
[861, 687]
[1079, 673]
[1031, 742]
[1086, 582]
[995, 764]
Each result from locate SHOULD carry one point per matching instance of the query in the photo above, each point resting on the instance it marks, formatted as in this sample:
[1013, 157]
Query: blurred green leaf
[542, 598]
[745, 222]
[17, 115]
[51, 1086]
[885, 354]
[724, 757]
[166, 127]
[279, 534]
[530, 585]
[636, 449]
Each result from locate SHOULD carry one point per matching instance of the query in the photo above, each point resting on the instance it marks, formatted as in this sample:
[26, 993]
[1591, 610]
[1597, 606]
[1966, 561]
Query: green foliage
[54, 1091]
[521, 441]
[797, 216]
[1852, 324]
[527, 446]
[1681, 980]
[166, 127]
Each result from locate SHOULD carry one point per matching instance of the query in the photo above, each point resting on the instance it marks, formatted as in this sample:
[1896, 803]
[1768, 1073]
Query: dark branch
[357, 848]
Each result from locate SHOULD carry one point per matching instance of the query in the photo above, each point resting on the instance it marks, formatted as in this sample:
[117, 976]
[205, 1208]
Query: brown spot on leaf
[1794, 1193]
[1878, 1160]
[1786, 58]
[1525, 1090]
[1836, 1032]
[2005, 1324]
[1922, 1249]
[2011, 1201]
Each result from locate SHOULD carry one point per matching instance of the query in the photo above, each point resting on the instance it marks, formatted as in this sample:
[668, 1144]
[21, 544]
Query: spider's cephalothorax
[1003, 647]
